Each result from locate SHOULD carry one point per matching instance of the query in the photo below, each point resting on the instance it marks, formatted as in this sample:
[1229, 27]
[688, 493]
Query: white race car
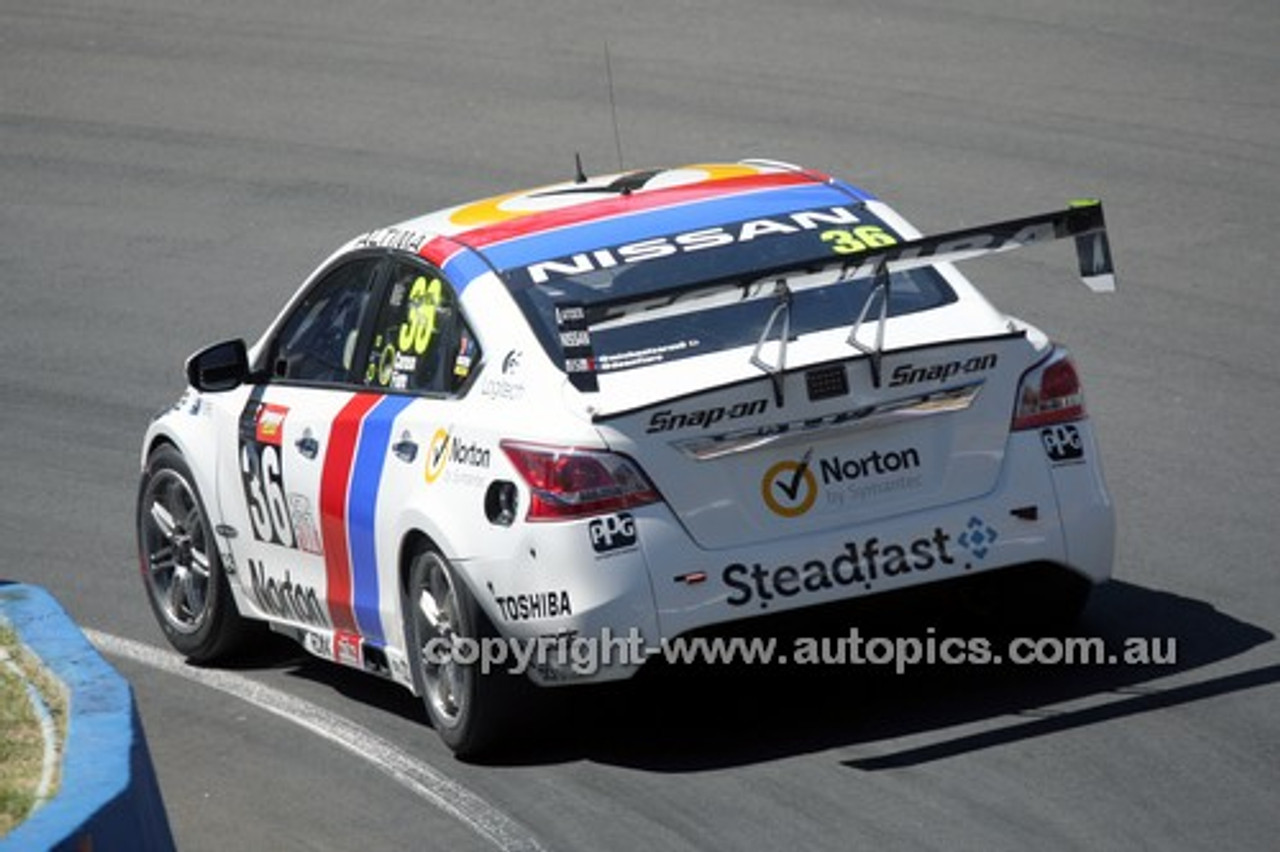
[630, 406]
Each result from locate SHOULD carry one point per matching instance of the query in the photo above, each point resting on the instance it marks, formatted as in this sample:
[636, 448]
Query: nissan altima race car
[637, 405]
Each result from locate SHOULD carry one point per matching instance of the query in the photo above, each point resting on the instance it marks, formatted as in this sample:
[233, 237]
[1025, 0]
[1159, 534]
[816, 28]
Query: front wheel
[467, 705]
[181, 568]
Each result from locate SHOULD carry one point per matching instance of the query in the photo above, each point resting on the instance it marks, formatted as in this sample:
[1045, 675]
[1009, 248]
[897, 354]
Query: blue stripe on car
[362, 504]
[464, 267]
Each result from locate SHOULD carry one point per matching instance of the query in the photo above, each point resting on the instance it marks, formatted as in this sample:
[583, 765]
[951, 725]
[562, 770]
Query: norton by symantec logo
[789, 487]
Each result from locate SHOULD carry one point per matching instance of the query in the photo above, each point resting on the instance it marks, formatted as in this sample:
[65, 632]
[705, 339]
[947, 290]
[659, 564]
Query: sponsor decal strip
[335, 481]
[866, 563]
[660, 222]
[362, 504]
[285, 599]
[534, 605]
[820, 221]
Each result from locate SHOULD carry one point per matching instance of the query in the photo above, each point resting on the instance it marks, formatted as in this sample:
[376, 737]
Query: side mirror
[220, 367]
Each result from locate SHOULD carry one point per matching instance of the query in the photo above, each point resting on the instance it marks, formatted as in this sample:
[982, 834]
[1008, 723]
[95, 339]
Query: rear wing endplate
[1082, 220]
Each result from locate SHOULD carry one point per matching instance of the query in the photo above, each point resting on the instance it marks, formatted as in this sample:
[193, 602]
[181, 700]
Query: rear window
[688, 294]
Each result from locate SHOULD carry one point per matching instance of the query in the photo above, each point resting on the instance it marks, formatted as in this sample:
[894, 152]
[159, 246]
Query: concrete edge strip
[417, 776]
[109, 793]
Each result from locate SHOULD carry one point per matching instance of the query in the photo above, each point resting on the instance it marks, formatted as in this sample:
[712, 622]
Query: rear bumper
[1042, 510]
[1039, 511]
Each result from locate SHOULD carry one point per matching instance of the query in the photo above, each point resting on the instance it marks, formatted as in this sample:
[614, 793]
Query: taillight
[1049, 393]
[569, 483]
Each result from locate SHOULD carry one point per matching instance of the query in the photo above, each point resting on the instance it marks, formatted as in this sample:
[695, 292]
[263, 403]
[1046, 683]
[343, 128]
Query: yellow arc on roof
[514, 205]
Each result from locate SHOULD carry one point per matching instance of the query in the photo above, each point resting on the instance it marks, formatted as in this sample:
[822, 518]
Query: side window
[420, 342]
[318, 341]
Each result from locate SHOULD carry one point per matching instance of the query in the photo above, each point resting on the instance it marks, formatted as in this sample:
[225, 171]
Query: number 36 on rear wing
[1082, 219]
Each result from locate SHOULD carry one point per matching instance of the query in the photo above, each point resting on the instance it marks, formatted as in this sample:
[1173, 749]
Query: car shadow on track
[697, 717]
[271, 650]
[689, 718]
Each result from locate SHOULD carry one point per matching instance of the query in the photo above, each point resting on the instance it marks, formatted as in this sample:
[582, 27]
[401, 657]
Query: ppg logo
[612, 532]
[1062, 443]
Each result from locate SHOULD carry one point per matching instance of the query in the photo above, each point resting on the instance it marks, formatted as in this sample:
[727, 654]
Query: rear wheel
[468, 706]
[181, 568]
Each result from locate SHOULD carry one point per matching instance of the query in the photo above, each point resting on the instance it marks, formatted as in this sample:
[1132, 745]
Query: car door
[272, 470]
[419, 354]
[361, 368]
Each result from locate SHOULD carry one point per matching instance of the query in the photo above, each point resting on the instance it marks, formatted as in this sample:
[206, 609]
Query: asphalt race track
[170, 170]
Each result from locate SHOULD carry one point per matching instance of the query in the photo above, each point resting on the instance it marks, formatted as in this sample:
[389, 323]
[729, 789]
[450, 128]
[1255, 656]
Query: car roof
[528, 226]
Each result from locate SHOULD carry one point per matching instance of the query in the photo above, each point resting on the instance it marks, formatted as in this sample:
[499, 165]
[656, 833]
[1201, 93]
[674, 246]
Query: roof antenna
[579, 176]
[613, 105]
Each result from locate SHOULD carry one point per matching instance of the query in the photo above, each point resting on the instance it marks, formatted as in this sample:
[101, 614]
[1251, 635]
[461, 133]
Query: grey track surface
[170, 170]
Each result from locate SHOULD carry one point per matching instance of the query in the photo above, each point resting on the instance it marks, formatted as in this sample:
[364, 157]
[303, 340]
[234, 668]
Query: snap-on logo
[667, 420]
[910, 374]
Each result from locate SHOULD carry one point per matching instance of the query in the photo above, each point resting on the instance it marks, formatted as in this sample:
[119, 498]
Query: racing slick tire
[180, 563]
[470, 708]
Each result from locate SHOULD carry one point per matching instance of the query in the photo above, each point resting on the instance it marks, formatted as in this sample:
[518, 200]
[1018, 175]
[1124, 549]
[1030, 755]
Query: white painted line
[413, 774]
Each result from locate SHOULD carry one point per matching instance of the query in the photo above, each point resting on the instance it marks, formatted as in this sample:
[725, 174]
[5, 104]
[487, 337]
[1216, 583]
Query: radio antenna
[613, 106]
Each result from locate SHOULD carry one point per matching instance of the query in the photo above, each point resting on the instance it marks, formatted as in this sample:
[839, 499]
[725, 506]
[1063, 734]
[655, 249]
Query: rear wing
[850, 260]
[1082, 220]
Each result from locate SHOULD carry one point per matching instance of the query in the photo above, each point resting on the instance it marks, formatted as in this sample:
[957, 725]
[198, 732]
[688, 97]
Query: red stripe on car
[334, 482]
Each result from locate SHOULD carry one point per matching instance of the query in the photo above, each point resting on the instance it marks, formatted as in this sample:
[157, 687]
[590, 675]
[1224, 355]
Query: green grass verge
[21, 741]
